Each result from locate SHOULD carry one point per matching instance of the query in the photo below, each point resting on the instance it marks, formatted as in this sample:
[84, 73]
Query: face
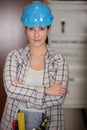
[37, 35]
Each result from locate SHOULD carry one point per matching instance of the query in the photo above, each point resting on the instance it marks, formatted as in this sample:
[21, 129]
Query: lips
[37, 40]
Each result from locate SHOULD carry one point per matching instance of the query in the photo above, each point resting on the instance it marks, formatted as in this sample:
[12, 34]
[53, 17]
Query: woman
[35, 78]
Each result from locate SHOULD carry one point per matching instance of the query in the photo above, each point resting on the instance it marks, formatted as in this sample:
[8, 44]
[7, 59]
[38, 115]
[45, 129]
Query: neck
[38, 51]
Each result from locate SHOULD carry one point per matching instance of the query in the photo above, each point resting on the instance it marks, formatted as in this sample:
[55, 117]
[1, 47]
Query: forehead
[36, 27]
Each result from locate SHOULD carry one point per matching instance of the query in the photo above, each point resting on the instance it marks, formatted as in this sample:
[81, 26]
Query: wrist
[46, 90]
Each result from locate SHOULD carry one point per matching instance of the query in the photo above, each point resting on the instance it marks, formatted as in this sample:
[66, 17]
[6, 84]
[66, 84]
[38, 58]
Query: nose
[36, 32]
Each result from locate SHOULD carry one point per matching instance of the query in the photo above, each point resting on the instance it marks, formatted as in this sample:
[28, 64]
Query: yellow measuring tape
[21, 121]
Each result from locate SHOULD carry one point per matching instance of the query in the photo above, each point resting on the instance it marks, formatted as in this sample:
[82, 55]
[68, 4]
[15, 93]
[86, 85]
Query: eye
[31, 28]
[42, 28]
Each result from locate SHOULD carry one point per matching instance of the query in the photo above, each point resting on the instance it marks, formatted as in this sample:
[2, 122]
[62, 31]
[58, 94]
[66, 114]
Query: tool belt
[22, 121]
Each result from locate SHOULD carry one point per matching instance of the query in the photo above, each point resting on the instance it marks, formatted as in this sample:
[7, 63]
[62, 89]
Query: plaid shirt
[56, 69]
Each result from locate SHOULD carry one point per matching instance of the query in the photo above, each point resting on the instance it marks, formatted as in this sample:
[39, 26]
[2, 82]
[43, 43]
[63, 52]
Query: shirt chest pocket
[21, 71]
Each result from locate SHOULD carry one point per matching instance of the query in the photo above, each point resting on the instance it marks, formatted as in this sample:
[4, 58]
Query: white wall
[71, 40]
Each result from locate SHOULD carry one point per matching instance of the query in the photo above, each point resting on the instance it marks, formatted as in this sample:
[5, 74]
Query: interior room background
[12, 36]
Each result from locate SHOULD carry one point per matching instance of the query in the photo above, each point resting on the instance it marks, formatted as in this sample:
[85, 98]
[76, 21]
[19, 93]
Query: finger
[63, 91]
[59, 82]
[16, 81]
[63, 94]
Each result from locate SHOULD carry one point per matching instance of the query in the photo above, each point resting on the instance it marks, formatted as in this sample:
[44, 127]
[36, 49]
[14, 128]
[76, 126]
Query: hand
[16, 81]
[56, 90]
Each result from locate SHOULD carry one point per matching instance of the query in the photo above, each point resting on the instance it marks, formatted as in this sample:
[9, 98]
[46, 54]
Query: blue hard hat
[37, 14]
